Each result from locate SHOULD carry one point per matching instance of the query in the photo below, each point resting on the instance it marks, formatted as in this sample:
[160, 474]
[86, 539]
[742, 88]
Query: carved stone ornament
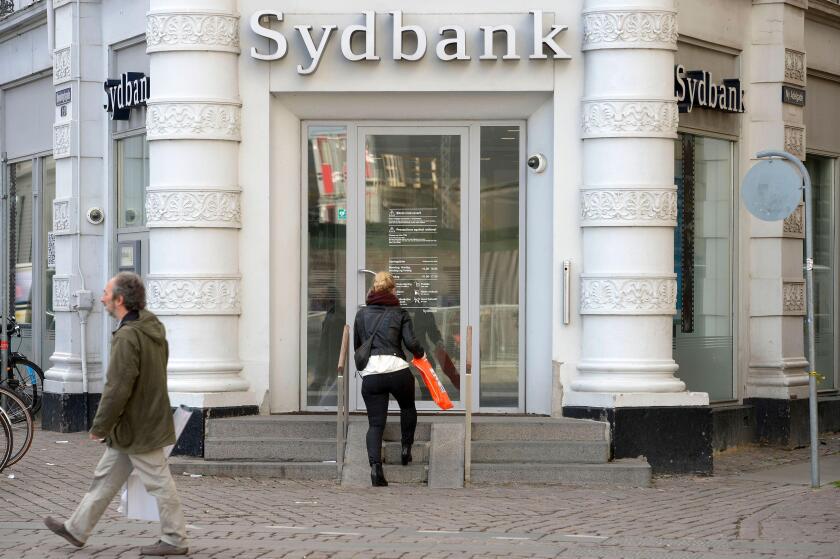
[794, 224]
[61, 140]
[629, 29]
[61, 293]
[202, 296]
[63, 65]
[793, 297]
[63, 222]
[795, 140]
[621, 207]
[51, 250]
[795, 67]
[192, 120]
[168, 31]
[628, 295]
[190, 208]
[635, 119]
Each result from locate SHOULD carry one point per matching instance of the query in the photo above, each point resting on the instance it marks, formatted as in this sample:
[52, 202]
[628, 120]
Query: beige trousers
[108, 478]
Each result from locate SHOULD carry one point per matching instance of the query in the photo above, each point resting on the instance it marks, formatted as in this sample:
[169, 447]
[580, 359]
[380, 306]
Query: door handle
[366, 271]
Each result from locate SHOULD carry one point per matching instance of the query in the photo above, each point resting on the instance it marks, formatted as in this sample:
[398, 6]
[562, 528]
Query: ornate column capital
[629, 118]
[193, 119]
[190, 207]
[628, 295]
[606, 206]
[193, 295]
[637, 28]
[183, 30]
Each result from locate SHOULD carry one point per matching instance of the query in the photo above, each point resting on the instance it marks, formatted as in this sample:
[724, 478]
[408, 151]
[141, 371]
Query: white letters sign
[409, 42]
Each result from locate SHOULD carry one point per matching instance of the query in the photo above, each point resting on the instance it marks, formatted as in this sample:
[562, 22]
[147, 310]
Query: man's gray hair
[129, 286]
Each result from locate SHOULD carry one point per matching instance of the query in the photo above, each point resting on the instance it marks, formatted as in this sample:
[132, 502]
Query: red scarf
[385, 298]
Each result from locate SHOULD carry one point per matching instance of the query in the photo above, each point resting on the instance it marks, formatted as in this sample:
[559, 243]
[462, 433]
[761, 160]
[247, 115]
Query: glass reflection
[822, 181]
[499, 277]
[413, 230]
[326, 263]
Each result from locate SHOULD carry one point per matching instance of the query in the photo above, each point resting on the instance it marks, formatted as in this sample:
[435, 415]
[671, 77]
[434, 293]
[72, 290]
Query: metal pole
[4, 259]
[809, 310]
[341, 404]
[468, 410]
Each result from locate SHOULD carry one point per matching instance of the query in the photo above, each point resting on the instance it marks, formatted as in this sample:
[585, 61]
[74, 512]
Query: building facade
[563, 179]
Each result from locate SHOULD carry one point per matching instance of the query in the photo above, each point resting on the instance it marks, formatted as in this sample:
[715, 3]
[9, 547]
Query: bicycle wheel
[6, 441]
[26, 379]
[23, 428]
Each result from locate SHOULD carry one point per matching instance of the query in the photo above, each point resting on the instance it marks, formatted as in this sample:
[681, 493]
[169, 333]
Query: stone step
[634, 473]
[273, 426]
[542, 429]
[392, 452]
[423, 432]
[591, 452]
[411, 474]
[236, 468]
[262, 449]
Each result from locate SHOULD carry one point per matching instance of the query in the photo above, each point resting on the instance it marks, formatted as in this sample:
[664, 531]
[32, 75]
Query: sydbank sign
[408, 42]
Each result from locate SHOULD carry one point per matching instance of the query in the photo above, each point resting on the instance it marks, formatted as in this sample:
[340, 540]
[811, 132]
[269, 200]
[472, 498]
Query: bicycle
[6, 441]
[23, 377]
[14, 411]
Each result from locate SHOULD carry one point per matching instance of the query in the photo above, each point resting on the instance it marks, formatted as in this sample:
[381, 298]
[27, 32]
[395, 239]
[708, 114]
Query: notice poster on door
[412, 227]
[417, 280]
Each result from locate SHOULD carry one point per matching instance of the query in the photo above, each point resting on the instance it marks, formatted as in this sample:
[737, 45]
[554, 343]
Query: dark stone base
[786, 423]
[675, 440]
[66, 413]
[191, 442]
[734, 425]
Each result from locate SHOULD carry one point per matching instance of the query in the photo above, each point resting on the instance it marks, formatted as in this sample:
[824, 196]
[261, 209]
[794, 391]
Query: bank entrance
[439, 205]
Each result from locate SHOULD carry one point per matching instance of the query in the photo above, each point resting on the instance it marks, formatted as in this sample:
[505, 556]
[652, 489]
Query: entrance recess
[439, 207]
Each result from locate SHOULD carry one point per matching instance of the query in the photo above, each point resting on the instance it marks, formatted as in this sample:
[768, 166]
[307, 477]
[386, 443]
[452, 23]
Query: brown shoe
[57, 527]
[163, 548]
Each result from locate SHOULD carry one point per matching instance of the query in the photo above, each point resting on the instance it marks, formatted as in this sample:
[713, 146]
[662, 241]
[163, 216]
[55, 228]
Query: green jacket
[134, 414]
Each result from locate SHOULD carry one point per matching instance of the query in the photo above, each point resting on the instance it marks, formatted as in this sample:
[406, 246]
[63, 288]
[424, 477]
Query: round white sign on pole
[772, 189]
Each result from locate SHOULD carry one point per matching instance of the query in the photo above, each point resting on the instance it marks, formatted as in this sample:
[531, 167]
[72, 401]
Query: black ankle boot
[406, 454]
[377, 476]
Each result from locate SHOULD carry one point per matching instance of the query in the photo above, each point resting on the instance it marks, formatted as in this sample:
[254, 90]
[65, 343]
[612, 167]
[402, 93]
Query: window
[821, 170]
[132, 180]
[703, 324]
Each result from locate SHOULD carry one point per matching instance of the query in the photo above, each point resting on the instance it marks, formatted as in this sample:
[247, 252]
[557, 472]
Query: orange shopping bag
[433, 383]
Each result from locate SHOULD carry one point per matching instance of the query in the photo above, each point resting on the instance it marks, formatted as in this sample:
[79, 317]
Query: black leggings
[375, 390]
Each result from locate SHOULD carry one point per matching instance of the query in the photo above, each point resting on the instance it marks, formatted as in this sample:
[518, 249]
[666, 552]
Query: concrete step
[411, 474]
[392, 452]
[423, 432]
[234, 468]
[273, 426]
[591, 452]
[538, 429]
[262, 449]
[634, 473]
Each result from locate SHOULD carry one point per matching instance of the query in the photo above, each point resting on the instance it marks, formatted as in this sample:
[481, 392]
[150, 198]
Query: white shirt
[379, 364]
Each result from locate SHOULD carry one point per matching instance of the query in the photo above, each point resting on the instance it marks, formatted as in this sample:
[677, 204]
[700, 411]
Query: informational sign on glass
[413, 227]
[417, 280]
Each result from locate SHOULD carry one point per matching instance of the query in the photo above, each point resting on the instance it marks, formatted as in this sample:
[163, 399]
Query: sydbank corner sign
[408, 42]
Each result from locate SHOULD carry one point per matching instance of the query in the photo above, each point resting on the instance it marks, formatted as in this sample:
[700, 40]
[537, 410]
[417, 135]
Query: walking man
[135, 421]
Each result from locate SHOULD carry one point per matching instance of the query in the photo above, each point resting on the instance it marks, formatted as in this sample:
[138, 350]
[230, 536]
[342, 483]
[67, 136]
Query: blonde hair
[383, 281]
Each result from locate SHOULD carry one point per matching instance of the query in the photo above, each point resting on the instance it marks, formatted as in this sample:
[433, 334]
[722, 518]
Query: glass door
[412, 185]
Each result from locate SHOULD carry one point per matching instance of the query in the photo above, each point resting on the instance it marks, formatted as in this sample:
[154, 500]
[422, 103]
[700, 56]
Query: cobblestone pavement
[679, 517]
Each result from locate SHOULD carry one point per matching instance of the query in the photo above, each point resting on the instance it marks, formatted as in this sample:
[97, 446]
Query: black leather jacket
[395, 330]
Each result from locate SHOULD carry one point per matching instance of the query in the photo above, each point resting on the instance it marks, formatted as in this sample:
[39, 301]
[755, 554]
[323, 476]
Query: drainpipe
[51, 28]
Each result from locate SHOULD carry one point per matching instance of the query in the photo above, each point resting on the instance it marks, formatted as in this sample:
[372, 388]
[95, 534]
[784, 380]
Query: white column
[78, 148]
[778, 368]
[628, 208]
[193, 206]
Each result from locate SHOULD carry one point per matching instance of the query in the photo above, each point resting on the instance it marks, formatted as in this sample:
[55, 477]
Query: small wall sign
[126, 93]
[793, 96]
[695, 88]
[63, 96]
